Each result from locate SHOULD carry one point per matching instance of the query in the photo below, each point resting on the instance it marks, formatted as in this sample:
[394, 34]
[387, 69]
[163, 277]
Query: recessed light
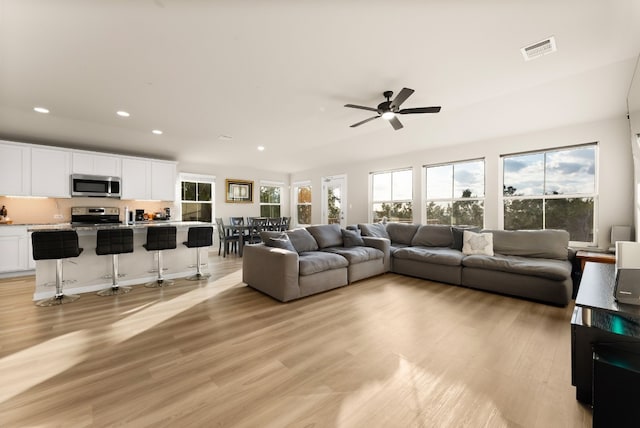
[41, 110]
[261, 148]
[157, 132]
[122, 113]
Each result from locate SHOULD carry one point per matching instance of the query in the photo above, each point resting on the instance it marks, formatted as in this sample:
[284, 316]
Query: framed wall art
[238, 191]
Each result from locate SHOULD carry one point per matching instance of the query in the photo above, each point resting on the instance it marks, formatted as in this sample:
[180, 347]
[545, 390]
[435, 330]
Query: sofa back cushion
[302, 240]
[326, 235]
[352, 238]
[401, 233]
[377, 230]
[457, 234]
[433, 235]
[546, 244]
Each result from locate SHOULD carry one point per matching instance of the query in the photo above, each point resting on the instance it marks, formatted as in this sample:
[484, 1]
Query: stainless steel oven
[95, 186]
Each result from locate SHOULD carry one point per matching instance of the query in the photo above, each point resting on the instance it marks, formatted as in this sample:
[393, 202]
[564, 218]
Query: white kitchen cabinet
[15, 169]
[136, 178]
[163, 181]
[96, 164]
[50, 172]
[14, 247]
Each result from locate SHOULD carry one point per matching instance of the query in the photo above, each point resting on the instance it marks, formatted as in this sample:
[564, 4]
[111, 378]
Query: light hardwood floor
[390, 351]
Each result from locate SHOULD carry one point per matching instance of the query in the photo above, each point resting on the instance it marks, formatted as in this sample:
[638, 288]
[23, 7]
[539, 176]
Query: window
[196, 197]
[392, 195]
[302, 197]
[270, 200]
[554, 189]
[455, 193]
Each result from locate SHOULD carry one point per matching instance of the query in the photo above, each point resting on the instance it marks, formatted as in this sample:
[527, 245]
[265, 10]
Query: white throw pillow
[477, 243]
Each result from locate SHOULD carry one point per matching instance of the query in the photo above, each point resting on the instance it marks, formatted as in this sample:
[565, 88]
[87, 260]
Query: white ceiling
[277, 74]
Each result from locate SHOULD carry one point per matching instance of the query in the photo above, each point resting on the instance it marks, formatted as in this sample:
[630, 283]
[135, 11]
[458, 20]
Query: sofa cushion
[326, 235]
[377, 230]
[320, 261]
[477, 243]
[279, 240]
[357, 254]
[401, 233]
[352, 238]
[302, 240]
[544, 268]
[546, 244]
[433, 235]
[436, 255]
[457, 234]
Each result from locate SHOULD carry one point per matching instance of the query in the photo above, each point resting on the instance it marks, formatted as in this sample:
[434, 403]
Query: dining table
[239, 229]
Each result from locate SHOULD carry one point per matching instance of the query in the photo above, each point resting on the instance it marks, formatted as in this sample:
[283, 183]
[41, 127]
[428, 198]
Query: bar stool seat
[160, 238]
[114, 242]
[56, 245]
[199, 237]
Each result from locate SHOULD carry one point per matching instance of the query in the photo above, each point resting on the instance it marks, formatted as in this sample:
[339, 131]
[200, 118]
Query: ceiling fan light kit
[390, 109]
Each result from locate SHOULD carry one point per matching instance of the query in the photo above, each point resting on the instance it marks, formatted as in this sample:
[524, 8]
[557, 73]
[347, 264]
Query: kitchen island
[89, 272]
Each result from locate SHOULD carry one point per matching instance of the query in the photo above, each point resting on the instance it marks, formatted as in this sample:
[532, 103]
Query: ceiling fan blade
[420, 110]
[361, 107]
[401, 97]
[395, 123]
[364, 121]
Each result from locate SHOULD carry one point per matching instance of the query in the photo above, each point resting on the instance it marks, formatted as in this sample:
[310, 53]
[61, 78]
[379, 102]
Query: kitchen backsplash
[48, 210]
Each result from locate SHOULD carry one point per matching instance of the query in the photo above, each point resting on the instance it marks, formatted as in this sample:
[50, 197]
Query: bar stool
[198, 237]
[160, 238]
[114, 242]
[56, 245]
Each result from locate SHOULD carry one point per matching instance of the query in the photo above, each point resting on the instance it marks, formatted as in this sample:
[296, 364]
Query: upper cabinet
[50, 172]
[163, 180]
[148, 179]
[96, 164]
[15, 169]
[33, 170]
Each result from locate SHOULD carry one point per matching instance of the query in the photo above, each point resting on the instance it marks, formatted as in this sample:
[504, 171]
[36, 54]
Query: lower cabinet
[15, 249]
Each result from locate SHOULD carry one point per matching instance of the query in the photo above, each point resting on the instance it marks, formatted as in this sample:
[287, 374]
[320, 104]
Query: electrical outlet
[58, 216]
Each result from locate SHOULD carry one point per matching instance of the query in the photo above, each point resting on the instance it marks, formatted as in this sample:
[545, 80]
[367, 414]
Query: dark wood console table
[599, 320]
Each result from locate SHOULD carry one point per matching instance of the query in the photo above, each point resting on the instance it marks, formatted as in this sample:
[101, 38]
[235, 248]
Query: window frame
[196, 178]
[277, 184]
[544, 197]
[453, 199]
[294, 197]
[373, 201]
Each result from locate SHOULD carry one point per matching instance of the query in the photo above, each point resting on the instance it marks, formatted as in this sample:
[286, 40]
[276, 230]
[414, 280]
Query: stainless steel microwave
[95, 186]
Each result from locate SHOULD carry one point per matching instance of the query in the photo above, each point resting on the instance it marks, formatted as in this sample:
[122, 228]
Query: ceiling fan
[390, 109]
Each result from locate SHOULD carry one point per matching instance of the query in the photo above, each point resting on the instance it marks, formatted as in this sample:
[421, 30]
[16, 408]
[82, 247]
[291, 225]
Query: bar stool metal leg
[199, 275]
[115, 289]
[59, 298]
[160, 281]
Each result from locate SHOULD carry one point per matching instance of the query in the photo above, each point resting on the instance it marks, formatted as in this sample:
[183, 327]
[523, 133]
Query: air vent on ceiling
[539, 49]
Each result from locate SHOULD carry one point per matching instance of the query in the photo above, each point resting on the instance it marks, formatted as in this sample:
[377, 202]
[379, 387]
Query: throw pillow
[457, 232]
[377, 230]
[302, 240]
[477, 243]
[351, 238]
[280, 241]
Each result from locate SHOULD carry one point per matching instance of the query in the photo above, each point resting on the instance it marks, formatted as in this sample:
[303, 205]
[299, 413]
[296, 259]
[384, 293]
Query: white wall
[615, 179]
[224, 209]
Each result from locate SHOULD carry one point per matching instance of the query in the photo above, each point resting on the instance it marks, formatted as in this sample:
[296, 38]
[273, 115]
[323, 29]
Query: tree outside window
[392, 195]
[270, 201]
[554, 189]
[455, 193]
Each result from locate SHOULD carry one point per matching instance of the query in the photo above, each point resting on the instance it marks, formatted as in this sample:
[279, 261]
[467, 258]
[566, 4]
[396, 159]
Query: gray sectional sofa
[535, 264]
[301, 262]
[531, 264]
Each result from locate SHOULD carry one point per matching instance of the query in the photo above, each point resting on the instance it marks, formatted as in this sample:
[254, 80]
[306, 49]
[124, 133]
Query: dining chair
[275, 223]
[225, 238]
[258, 224]
[286, 223]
